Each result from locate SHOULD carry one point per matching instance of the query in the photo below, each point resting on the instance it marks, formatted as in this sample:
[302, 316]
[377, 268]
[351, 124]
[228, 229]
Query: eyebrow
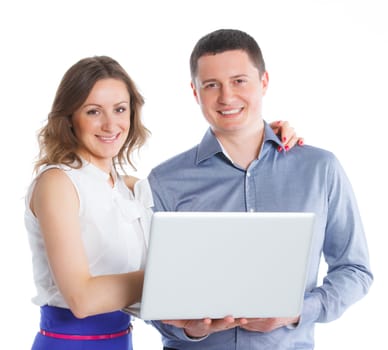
[98, 105]
[232, 77]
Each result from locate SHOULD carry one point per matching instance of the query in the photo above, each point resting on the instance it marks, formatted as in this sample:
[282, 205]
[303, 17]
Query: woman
[88, 224]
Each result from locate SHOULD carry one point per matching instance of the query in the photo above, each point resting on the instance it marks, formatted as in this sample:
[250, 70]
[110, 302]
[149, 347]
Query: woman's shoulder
[51, 183]
[130, 181]
[51, 173]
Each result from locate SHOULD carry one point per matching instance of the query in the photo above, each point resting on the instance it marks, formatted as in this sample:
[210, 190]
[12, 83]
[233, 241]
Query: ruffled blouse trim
[142, 192]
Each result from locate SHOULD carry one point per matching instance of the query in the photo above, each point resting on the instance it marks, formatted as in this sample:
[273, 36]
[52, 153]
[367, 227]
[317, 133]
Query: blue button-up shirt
[305, 179]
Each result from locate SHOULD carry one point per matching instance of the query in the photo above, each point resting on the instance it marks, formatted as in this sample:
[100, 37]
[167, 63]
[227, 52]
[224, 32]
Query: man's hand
[206, 326]
[202, 328]
[268, 324]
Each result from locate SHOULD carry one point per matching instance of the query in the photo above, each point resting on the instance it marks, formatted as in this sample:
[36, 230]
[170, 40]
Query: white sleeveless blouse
[114, 226]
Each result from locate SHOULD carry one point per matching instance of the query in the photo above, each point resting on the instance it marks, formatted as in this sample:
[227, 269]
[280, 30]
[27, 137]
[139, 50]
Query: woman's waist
[61, 320]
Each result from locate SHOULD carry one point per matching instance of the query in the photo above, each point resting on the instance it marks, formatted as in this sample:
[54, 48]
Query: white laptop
[215, 264]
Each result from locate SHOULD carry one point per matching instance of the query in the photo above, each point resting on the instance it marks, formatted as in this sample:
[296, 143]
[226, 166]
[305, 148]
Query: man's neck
[242, 149]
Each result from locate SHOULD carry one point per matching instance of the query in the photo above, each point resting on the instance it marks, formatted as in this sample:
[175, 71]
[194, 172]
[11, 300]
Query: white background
[327, 62]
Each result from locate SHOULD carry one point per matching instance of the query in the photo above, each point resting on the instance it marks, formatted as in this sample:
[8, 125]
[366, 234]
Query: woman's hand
[286, 134]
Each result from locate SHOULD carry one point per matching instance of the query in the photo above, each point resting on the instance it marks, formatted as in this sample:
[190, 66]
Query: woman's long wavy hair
[57, 141]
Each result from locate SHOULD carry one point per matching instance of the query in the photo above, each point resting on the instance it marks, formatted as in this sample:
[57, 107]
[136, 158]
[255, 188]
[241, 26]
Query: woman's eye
[121, 109]
[92, 112]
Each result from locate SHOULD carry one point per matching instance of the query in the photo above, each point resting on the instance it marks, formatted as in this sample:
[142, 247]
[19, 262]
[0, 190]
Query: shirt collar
[210, 146]
[97, 172]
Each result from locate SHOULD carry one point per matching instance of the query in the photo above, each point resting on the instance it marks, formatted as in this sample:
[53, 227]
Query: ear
[195, 92]
[264, 82]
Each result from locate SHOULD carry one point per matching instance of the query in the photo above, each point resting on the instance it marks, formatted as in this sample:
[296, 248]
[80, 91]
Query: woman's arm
[56, 205]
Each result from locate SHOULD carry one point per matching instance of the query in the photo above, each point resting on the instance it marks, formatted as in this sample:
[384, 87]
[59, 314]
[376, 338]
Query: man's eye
[211, 86]
[240, 81]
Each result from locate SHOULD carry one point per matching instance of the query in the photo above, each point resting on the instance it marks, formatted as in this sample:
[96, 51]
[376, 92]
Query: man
[237, 167]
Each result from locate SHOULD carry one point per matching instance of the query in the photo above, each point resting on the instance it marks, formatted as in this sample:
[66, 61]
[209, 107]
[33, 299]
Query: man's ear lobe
[264, 81]
[193, 88]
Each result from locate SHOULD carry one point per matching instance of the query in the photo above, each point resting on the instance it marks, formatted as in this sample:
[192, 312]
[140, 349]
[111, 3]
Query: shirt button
[251, 210]
[248, 174]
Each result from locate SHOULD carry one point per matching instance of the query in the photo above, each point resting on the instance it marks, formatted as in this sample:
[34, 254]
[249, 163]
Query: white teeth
[106, 138]
[232, 111]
